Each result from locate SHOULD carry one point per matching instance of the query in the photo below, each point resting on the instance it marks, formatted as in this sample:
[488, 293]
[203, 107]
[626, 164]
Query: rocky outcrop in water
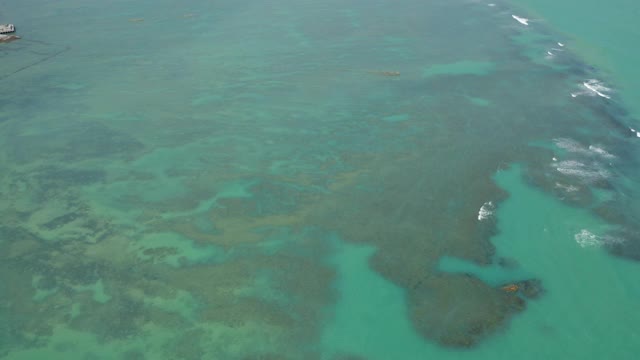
[8, 38]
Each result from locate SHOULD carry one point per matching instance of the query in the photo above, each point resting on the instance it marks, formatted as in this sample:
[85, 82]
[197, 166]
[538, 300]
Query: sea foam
[581, 170]
[593, 87]
[486, 210]
[601, 152]
[573, 146]
[567, 188]
[597, 88]
[585, 238]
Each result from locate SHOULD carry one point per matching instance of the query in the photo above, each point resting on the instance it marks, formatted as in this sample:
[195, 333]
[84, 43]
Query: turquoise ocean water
[297, 179]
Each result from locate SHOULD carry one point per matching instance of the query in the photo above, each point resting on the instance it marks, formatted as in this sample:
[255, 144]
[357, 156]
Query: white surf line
[521, 20]
[485, 211]
[551, 53]
[593, 88]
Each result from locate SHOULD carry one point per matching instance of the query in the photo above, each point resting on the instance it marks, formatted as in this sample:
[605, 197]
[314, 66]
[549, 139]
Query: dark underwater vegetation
[214, 193]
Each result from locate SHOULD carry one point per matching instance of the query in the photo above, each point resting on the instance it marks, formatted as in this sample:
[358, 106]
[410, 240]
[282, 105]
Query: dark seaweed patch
[83, 141]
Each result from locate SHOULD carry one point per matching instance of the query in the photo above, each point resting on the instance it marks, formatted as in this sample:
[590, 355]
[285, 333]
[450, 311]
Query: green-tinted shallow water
[318, 180]
[589, 303]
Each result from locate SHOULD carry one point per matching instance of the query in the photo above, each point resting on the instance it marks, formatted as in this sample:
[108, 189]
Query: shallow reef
[201, 223]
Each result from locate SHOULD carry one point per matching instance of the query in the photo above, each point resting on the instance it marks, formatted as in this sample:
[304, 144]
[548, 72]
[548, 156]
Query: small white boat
[7, 28]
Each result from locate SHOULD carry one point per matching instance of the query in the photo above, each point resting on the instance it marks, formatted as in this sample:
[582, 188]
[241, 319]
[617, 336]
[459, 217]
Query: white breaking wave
[569, 145]
[551, 53]
[567, 188]
[585, 238]
[597, 87]
[560, 44]
[521, 20]
[580, 170]
[593, 87]
[575, 147]
[635, 132]
[486, 210]
[600, 151]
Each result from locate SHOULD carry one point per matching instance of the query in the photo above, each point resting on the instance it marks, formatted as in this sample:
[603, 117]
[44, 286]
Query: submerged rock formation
[8, 38]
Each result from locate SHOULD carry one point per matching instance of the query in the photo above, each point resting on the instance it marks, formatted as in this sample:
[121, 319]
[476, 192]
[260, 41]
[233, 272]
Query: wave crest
[594, 87]
[585, 238]
[582, 171]
[574, 146]
[486, 210]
